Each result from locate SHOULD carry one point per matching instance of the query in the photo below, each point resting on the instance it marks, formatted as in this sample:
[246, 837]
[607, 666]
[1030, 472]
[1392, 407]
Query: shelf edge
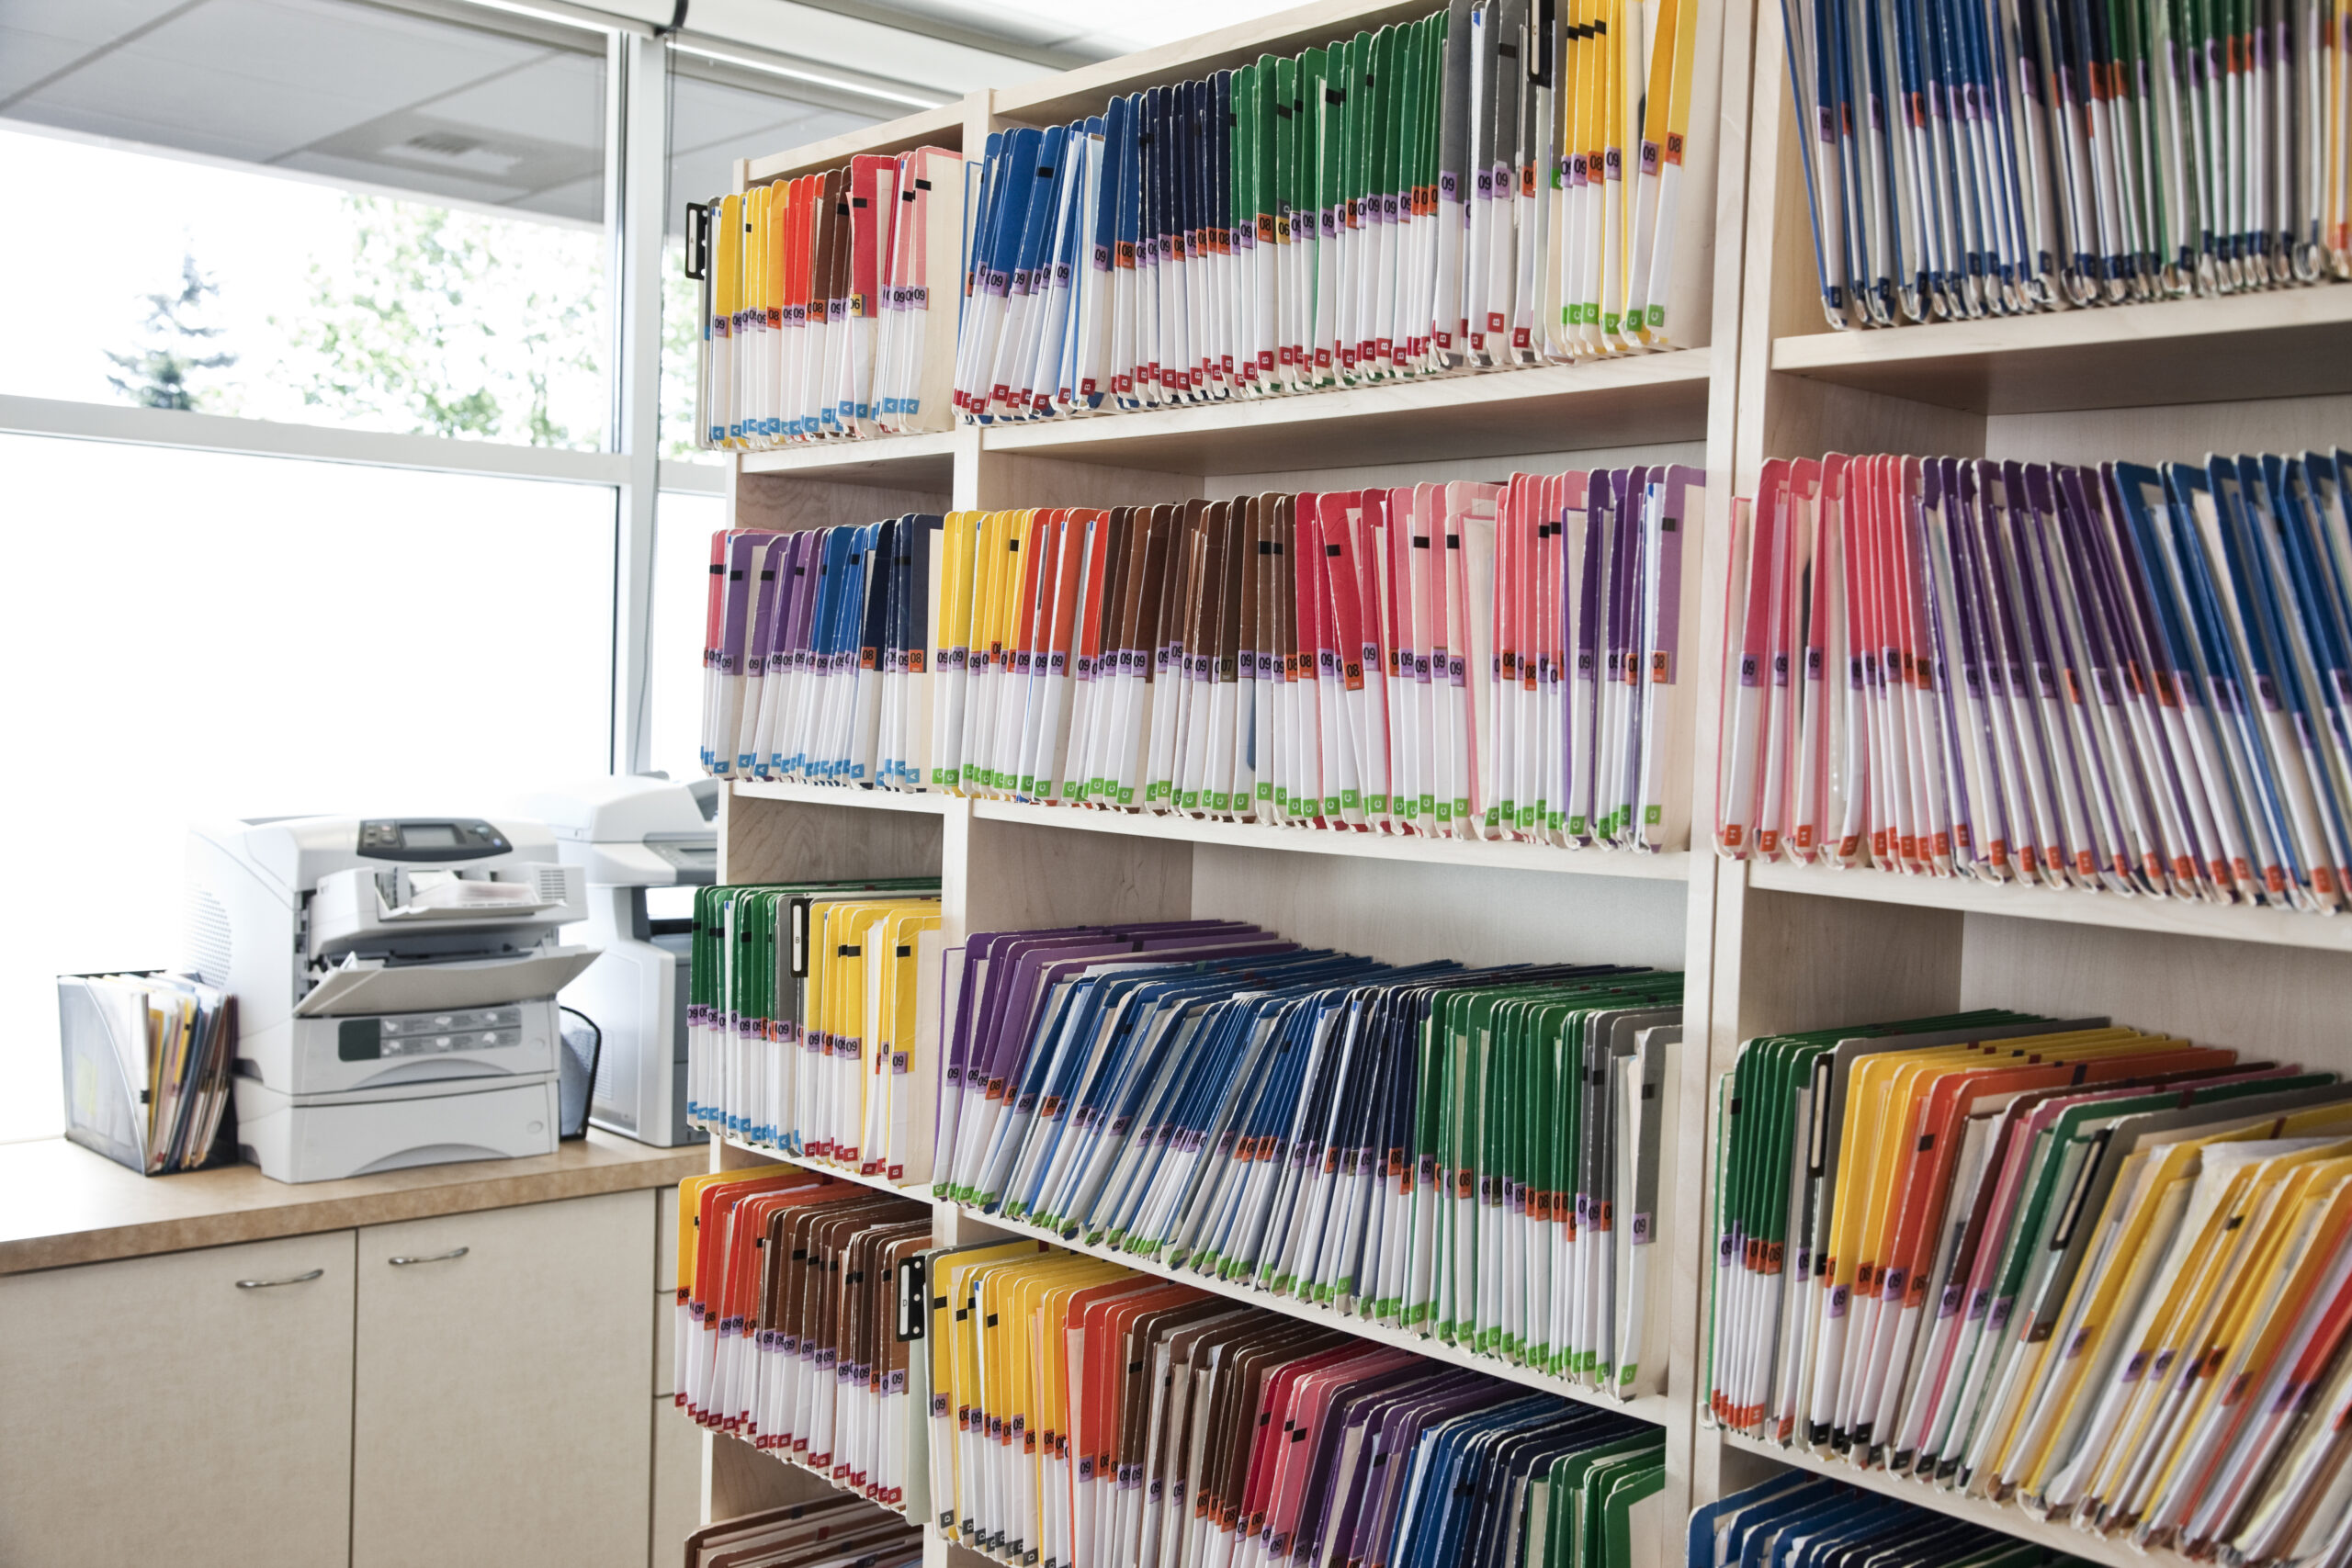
[1477, 853]
[2157, 916]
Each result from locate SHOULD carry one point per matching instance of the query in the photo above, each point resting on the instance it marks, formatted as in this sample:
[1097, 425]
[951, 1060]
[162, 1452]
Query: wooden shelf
[919, 1192]
[2283, 344]
[1500, 855]
[1639, 398]
[941, 127]
[1652, 1408]
[2172, 917]
[901, 462]
[1974, 1510]
[1493, 854]
[923, 805]
[788, 1462]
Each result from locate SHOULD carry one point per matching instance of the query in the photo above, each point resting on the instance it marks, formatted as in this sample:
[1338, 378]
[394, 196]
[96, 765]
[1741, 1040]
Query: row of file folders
[1038, 1404]
[2098, 1275]
[2125, 678]
[1471, 1155]
[1455, 660]
[1972, 160]
[817, 323]
[1496, 183]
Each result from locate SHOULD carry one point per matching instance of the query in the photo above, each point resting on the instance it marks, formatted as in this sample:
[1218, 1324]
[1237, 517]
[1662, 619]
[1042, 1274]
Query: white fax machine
[627, 835]
[395, 981]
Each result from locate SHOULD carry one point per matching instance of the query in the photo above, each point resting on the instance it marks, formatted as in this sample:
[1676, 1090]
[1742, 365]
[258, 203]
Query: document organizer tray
[104, 1104]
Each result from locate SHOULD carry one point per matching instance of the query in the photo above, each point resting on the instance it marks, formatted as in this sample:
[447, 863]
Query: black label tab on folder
[800, 939]
[698, 257]
[914, 1298]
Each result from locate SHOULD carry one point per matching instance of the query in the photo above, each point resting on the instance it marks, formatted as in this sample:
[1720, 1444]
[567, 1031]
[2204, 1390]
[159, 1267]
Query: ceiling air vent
[456, 150]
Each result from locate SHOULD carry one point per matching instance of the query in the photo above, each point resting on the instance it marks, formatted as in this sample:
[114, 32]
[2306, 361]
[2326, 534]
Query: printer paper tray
[368, 987]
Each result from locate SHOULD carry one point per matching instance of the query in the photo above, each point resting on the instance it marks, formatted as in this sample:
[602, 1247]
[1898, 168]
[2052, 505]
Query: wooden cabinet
[498, 1398]
[467, 1389]
[192, 1409]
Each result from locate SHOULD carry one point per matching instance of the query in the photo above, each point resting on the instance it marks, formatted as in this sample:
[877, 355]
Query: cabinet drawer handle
[289, 1280]
[436, 1257]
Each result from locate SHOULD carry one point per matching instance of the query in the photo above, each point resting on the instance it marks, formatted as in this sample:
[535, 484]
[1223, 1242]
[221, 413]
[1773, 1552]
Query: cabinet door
[499, 1402]
[677, 1481]
[192, 1409]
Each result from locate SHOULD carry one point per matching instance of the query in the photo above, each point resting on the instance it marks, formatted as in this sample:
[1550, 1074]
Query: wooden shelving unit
[1764, 948]
[1800, 947]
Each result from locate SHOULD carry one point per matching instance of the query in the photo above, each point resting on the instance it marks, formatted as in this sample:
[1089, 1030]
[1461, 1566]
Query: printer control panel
[404, 1035]
[428, 839]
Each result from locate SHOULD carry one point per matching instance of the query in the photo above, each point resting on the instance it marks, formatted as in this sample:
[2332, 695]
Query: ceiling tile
[559, 98]
[27, 57]
[417, 147]
[258, 78]
[582, 200]
[193, 106]
[86, 22]
[379, 57]
[110, 119]
[703, 114]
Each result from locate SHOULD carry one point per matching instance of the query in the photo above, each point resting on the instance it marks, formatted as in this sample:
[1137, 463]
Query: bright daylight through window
[436, 265]
[349, 233]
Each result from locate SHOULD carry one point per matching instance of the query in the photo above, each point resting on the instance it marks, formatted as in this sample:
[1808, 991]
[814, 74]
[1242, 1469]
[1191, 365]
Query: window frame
[637, 152]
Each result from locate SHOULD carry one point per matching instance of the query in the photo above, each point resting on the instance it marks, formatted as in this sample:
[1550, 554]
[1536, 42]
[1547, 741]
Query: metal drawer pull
[291, 1279]
[436, 1257]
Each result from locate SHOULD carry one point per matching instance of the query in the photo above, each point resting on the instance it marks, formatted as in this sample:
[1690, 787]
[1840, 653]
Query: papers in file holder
[811, 1023]
[817, 653]
[1494, 185]
[2123, 678]
[147, 1059]
[2098, 1274]
[1469, 1155]
[1092, 1418]
[1973, 160]
[1456, 661]
[788, 1322]
[818, 316]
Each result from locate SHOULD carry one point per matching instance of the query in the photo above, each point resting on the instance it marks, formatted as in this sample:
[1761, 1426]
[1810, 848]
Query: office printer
[395, 980]
[628, 835]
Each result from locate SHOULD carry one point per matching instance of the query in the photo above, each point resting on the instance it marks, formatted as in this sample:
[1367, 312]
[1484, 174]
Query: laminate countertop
[61, 1204]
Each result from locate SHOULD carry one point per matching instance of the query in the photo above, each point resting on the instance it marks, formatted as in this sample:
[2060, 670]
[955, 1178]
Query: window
[681, 529]
[319, 211]
[225, 635]
[382, 237]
